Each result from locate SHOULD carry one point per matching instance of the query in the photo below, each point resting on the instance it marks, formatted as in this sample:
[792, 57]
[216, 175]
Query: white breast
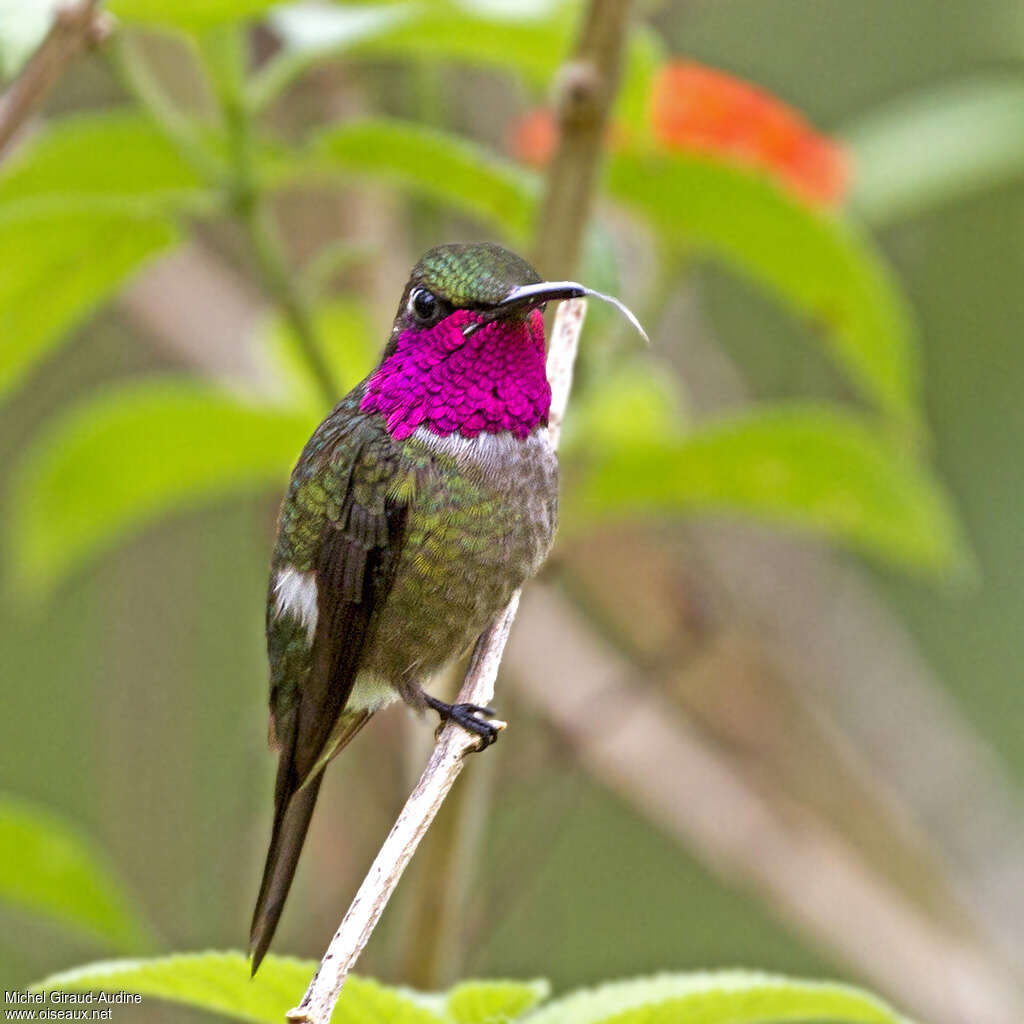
[490, 453]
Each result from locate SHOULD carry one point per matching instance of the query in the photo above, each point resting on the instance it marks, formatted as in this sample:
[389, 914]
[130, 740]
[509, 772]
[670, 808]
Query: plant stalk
[586, 89]
[249, 205]
[238, 181]
[75, 28]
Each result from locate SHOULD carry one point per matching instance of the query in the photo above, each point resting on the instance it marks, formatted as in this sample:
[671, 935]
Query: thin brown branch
[76, 27]
[452, 747]
[585, 92]
[434, 929]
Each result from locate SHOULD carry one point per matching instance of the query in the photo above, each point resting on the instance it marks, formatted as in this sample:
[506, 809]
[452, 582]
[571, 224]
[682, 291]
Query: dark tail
[290, 826]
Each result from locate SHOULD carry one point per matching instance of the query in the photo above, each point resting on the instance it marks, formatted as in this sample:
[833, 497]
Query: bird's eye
[424, 306]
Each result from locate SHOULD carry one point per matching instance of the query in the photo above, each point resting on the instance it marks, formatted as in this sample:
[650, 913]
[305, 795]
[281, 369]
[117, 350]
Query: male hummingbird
[416, 509]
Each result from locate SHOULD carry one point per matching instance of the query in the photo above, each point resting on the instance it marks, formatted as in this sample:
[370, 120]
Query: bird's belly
[473, 535]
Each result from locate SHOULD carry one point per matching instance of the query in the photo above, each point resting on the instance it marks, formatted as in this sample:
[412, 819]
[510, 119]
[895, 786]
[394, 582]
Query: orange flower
[532, 137]
[698, 108]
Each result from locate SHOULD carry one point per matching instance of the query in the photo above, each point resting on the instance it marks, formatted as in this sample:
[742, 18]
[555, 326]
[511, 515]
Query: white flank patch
[295, 594]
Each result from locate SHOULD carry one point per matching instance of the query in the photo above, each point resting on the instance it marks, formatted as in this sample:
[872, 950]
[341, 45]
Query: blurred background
[765, 700]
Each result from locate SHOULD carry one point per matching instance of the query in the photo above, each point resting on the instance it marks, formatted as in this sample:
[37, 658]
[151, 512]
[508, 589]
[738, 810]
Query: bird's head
[466, 354]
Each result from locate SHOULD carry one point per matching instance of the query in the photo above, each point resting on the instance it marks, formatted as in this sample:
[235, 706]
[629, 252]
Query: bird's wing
[339, 538]
[340, 535]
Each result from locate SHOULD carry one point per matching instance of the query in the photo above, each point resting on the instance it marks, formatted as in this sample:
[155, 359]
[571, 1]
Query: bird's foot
[472, 718]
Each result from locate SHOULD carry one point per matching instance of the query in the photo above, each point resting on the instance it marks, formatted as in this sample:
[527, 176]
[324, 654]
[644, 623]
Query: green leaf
[80, 224]
[109, 161]
[440, 166]
[493, 1002]
[645, 54]
[49, 867]
[309, 35]
[66, 266]
[220, 983]
[191, 15]
[349, 348]
[799, 465]
[131, 454]
[814, 262]
[532, 46]
[634, 399]
[937, 146]
[304, 28]
[717, 997]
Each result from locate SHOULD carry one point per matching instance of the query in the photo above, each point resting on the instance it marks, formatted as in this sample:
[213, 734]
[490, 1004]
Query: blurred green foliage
[815, 263]
[91, 199]
[794, 463]
[133, 452]
[938, 146]
[169, 165]
[220, 982]
[58, 280]
[50, 868]
[428, 163]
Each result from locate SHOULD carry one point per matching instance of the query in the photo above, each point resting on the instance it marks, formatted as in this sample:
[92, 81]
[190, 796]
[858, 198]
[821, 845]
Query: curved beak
[529, 296]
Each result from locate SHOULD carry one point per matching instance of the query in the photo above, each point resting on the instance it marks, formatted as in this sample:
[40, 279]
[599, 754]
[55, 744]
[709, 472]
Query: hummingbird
[425, 499]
